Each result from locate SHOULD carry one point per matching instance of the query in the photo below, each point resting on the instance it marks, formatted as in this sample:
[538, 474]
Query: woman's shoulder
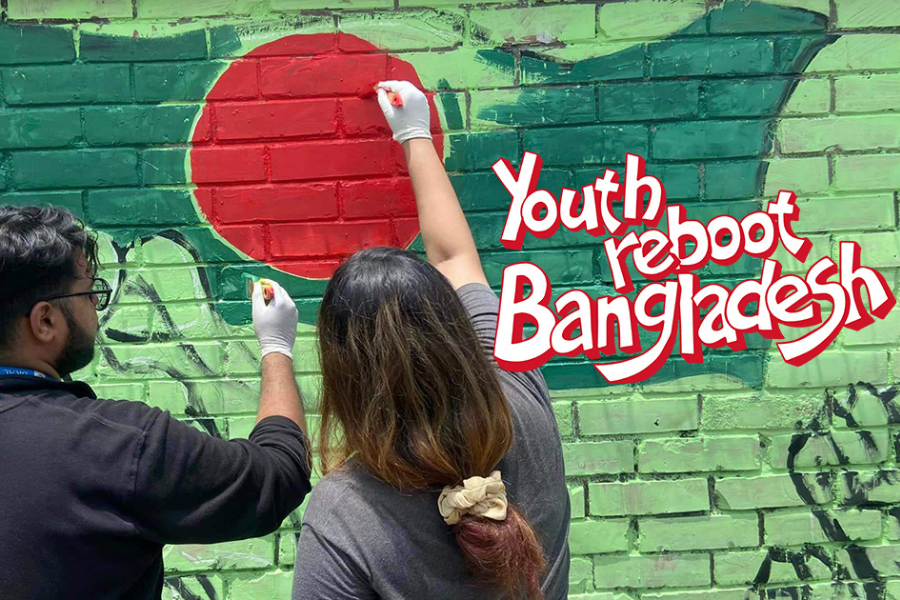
[343, 495]
[351, 497]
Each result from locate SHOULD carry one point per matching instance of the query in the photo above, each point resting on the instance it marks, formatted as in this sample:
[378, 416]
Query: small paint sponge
[395, 98]
[267, 289]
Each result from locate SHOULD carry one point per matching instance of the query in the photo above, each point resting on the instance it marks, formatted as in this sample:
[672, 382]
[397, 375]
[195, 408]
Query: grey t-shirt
[362, 538]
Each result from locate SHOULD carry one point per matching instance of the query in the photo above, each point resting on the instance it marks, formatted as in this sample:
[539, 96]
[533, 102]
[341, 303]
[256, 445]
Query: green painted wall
[739, 478]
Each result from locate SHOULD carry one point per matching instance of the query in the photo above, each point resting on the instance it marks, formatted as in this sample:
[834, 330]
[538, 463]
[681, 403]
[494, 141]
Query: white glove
[413, 119]
[275, 324]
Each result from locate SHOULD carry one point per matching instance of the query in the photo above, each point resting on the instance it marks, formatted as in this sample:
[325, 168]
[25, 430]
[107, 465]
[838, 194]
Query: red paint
[276, 203]
[249, 238]
[405, 228]
[224, 164]
[301, 240]
[238, 82]
[298, 45]
[301, 170]
[362, 117]
[313, 269]
[275, 120]
[374, 198]
[321, 75]
[350, 43]
[315, 160]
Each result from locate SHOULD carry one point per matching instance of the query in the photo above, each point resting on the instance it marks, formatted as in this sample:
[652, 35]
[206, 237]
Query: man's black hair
[38, 250]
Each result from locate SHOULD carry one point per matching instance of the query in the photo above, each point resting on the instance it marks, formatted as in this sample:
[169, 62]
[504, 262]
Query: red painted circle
[293, 161]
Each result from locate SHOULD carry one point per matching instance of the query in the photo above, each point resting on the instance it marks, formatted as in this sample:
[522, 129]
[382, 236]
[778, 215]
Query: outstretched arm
[448, 240]
[275, 325]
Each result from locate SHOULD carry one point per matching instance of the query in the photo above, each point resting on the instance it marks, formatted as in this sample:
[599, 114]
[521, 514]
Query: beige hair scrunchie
[479, 496]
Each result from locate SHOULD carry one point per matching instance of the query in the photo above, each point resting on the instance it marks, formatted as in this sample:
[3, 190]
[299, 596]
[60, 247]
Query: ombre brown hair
[409, 393]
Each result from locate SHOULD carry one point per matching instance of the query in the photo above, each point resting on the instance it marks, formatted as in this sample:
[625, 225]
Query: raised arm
[448, 240]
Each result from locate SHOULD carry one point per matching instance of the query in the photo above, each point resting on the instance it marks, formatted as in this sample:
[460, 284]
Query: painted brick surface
[209, 140]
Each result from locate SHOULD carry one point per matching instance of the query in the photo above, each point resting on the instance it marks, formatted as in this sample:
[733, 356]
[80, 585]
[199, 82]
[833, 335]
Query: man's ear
[45, 322]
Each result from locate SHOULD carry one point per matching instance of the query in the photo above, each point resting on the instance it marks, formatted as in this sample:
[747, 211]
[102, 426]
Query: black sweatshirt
[90, 489]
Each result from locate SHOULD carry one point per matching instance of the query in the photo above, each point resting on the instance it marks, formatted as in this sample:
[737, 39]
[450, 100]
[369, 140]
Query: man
[91, 489]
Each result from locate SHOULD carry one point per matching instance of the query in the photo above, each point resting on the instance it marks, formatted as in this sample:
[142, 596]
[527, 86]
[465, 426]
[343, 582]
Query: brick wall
[208, 140]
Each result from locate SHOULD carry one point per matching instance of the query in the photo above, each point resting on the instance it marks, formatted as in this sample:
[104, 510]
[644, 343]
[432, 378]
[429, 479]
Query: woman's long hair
[408, 392]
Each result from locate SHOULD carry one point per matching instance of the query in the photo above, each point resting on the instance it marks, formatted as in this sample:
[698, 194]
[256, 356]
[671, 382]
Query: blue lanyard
[22, 372]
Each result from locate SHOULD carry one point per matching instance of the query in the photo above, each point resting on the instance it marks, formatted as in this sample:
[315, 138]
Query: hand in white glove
[413, 119]
[275, 324]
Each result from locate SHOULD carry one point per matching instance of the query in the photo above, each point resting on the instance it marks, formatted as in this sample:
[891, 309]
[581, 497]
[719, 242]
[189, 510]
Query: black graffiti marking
[859, 559]
[859, 490]
[207, 586]
[798, 560]
[177, 584]
[886, 397]
[195, 407]
[794, 593]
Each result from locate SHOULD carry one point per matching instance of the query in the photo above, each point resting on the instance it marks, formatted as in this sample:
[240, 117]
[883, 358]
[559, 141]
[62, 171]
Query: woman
[444, 474]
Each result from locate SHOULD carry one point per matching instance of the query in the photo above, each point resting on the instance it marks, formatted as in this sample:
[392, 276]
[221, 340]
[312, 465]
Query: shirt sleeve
[483, 306]
[322, 571]
[190, 487]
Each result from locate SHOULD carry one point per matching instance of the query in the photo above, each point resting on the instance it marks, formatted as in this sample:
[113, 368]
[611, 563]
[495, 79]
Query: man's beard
[79, 349]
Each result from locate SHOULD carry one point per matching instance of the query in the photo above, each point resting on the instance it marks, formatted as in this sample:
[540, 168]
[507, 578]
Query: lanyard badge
[16, 371]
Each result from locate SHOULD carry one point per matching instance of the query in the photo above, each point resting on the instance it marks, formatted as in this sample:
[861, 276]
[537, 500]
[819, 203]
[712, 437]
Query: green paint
[71, 201]
[625, 63]
[649, 101]
[858, 52]
[127, 125]
[839, 448]
[850, 133]
[479, 151]
[32, 44]
[687, 455]
[733, 180]
[71, 9]
[416, 31]
[740, 568]
[543, 106]
[651, 19]
[699, 533]
[479, 192]
[454, 108]
[163, 166]
[811, 97]
[710, 139]
[97, 47]
[682, 570]
[785, 528]
[72, 84]
[598, 537]
[590, 458]
[73, 168]
[176, 82]
[597, 144]
[648, 497]
[616, 418]
[48, 128]
[735, 17]
[464, 68]
[768, 491]
[564, 23]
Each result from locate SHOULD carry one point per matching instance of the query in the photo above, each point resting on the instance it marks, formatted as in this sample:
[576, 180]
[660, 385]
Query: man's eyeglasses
[100, 294]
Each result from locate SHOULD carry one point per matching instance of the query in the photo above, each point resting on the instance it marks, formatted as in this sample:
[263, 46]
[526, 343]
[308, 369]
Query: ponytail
[498, 544]
[503, 553]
